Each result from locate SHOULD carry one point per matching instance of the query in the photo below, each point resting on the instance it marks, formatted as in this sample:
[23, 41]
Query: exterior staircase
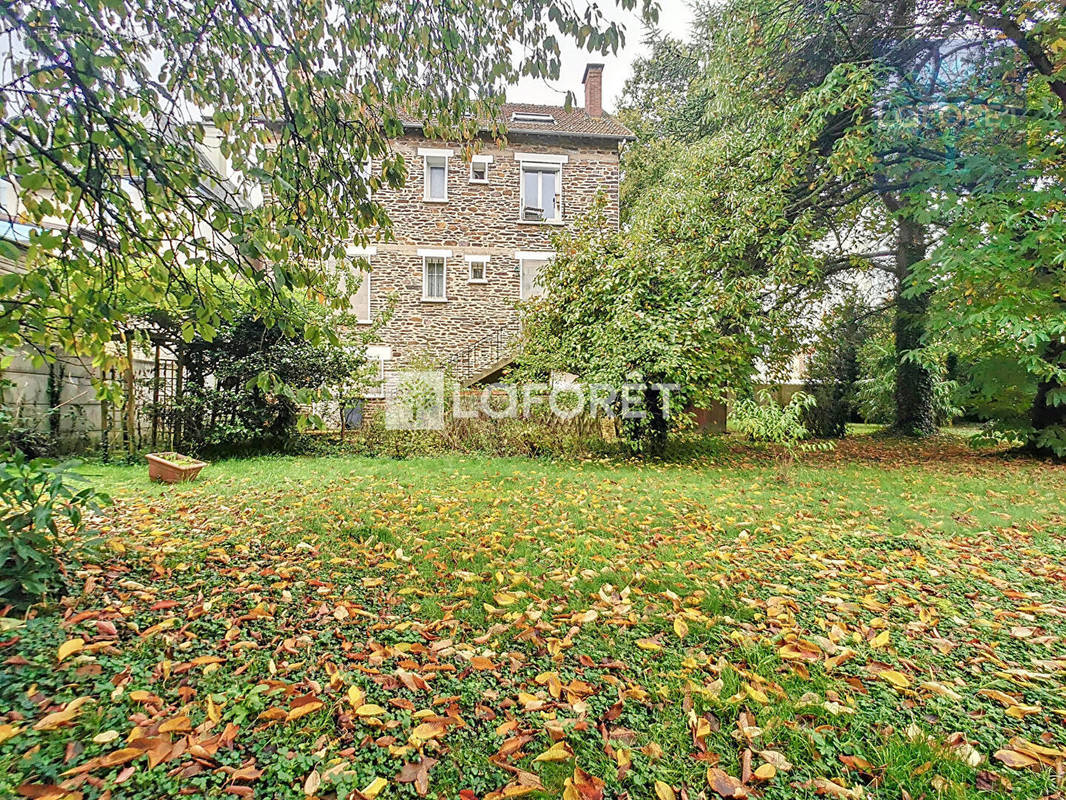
[487, 357]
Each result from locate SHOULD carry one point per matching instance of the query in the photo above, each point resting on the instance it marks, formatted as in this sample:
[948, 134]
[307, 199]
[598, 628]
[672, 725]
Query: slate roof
[575, 122]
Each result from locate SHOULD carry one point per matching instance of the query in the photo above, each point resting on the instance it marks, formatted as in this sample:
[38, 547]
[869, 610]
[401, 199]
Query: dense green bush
[833, 370]
[238, 395]
[35, 496]
[876, 387]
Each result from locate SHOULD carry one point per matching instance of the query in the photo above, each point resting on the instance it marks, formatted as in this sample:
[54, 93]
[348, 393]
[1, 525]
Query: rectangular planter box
[162, 468]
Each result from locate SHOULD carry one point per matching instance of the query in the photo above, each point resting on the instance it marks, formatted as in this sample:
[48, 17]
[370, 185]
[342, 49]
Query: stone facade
[479, 220]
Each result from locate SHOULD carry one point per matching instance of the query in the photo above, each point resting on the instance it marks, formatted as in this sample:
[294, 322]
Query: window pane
[530, 285]
[547, 194]
[360, 301]
[437, 179]
[530, 196]
[477, 270]
[434, 278]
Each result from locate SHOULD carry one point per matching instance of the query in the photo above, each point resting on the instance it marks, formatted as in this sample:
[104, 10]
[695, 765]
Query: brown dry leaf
[312, 782]
[1016, 760]
[779, 762]
[826, 786]
[418, 774]
[725, 784]
[583, 786]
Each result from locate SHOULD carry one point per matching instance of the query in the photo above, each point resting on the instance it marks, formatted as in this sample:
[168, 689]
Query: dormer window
[528, 116]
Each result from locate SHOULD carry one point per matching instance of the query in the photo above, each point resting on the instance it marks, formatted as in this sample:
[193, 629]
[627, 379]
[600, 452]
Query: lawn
[889, 623]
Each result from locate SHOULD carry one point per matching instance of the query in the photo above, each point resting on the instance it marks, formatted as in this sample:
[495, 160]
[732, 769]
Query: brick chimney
[593, 81]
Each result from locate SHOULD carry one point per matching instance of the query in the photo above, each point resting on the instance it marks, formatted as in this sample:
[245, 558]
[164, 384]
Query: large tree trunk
[915, 411]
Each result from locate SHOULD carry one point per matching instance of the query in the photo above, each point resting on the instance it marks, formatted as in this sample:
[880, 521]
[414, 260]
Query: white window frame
[381, 354]
[540, 162]
[529, 255]
[480, 159]
[437, 157]
[477, 259]
[426, 255]
[365, 253]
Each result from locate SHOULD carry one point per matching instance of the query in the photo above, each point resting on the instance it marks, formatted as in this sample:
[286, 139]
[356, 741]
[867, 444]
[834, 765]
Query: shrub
[35, 495]
[764, 420]
[833, 370]
[238, 395]
[876, 387]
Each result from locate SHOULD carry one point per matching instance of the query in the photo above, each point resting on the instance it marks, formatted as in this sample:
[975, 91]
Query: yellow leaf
[648, 644]
[373, 789]
[559, 751]
[7, 731]
[356, 697]
[58, 718]
[213, 712]
[69, 648]
[426, 731]
[505, 599]
[664, 791]
[880, 640]
[765, 772]
[897, 679]
[755, 694]
[369, 710]
[680, 627]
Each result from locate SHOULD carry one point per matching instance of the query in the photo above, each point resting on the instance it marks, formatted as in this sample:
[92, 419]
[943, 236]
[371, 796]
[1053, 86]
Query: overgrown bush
[876, 387]
[239, 387]
[833, 370]
[35, 496]
[536, 436]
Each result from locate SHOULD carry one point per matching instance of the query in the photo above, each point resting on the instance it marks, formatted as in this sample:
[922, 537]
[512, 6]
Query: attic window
[525, 116]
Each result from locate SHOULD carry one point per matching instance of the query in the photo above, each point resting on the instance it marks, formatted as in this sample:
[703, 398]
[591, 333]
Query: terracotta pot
[162, 468]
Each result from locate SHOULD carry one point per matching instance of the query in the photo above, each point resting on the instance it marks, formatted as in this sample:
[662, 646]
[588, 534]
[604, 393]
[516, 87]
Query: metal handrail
[484, 352]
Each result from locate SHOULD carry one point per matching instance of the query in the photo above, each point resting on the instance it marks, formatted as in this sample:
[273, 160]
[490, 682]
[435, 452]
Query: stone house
[470, 234]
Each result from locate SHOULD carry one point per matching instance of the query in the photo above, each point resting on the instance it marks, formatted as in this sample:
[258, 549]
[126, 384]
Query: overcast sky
[674, 19]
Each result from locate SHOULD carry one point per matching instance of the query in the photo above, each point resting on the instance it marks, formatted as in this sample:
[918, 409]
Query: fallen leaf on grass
[725, 784]
[418, 774]
[560, 751]
[1016, 760]
[373, 789]
[69, 648]
[583, 786]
